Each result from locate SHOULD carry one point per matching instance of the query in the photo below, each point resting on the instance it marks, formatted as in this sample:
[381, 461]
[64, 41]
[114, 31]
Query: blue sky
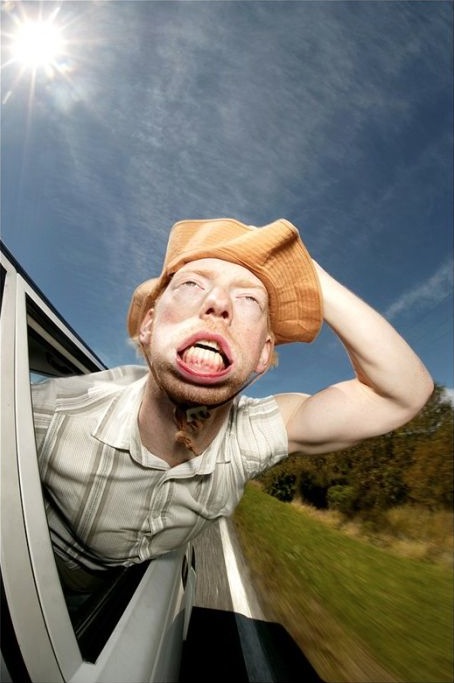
[335, 115]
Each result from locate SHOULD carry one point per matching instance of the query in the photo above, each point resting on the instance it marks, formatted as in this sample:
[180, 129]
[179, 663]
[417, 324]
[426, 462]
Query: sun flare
[37, 44]
[36, 49]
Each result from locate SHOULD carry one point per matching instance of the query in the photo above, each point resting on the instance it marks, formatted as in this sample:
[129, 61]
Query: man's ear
[145, 327]
[266, 356]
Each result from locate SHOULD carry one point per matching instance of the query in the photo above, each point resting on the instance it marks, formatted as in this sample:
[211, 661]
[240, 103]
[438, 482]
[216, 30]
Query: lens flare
[36, 50]
[37, 44]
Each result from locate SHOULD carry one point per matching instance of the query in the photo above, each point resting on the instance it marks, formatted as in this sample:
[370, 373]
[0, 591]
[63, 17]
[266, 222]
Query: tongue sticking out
[204, 356]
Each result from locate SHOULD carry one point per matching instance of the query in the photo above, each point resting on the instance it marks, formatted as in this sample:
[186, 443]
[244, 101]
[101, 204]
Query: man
[135, 461]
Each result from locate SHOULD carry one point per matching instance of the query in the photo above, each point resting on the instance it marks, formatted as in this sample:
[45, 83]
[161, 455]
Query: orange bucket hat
[274, 253]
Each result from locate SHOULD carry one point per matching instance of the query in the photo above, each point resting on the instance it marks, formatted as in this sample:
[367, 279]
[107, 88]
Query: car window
[93, 614]
[49, 634]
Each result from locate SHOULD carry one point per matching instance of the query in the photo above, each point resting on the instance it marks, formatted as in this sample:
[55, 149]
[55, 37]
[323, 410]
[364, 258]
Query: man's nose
[217, 303]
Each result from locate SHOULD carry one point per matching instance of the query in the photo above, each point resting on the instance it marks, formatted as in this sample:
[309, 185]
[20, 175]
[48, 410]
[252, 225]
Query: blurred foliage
[410, 465]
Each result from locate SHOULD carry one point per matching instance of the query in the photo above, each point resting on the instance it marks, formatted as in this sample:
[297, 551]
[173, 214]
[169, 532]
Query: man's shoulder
[121, 375]
[249, 406]
[245, 402]
[102, 382]
[259, 433]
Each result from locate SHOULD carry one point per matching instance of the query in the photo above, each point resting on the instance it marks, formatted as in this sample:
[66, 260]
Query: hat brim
[142, 300]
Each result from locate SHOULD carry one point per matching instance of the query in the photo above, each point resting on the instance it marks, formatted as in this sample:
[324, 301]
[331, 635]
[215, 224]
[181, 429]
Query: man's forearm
[381, 358]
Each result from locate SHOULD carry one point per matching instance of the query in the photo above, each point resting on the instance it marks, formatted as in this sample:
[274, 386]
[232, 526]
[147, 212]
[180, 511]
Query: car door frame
[34, 599]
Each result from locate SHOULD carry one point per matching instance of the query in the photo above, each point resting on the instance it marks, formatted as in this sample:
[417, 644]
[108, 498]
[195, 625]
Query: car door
[133, 629]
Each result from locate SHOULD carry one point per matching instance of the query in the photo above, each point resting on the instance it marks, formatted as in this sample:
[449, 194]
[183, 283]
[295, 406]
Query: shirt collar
[118, 428]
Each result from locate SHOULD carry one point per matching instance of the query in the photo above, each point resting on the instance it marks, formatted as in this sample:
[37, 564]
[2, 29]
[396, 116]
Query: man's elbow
[420, 393]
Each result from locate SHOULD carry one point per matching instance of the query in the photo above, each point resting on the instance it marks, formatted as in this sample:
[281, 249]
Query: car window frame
[35, 600]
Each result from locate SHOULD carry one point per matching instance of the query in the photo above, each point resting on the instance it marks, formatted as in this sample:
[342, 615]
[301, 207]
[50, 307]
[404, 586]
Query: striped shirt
[110, 501]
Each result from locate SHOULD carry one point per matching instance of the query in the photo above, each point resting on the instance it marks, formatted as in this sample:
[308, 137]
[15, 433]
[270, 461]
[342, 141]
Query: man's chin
[202, 397]
[185, 393]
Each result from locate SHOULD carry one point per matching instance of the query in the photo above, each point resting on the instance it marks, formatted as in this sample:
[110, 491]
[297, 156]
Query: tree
[411, 464]
[430, 476]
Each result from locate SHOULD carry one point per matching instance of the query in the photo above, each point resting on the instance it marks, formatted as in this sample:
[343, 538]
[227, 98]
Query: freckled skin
[220, 298]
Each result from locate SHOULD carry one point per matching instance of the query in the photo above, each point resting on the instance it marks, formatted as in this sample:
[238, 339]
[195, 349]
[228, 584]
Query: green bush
[343, 499]
[282, 487]
[411, 465]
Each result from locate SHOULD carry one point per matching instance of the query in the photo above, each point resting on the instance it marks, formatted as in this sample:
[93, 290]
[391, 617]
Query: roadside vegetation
[352, 553]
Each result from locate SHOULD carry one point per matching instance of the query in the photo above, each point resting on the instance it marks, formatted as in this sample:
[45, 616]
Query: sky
[336, 115]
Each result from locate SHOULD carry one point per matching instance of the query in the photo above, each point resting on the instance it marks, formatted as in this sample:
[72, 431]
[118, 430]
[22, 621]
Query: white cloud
[429, 293]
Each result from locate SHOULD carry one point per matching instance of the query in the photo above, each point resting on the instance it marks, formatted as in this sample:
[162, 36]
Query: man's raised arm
[390, 386]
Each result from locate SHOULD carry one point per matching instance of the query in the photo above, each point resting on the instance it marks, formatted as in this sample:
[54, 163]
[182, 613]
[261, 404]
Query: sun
[37, 44]
[35, 49]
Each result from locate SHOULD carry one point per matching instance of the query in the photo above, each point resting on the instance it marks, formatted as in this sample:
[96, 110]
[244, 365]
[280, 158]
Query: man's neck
[160, 421]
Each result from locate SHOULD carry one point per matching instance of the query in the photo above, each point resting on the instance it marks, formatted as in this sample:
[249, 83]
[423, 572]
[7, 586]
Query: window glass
[93, 613]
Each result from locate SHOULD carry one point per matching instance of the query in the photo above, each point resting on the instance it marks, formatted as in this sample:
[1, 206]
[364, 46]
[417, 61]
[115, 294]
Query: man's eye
[250, 299]
[190, 287]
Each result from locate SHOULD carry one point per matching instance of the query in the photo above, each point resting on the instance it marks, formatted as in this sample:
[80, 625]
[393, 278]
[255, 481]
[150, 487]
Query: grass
[407, 530]
[359, 612]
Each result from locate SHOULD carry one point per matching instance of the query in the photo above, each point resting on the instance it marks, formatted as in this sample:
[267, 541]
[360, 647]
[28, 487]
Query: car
[133, 629]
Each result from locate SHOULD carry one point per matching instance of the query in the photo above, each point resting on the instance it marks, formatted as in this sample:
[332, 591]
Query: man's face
[208, 331]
